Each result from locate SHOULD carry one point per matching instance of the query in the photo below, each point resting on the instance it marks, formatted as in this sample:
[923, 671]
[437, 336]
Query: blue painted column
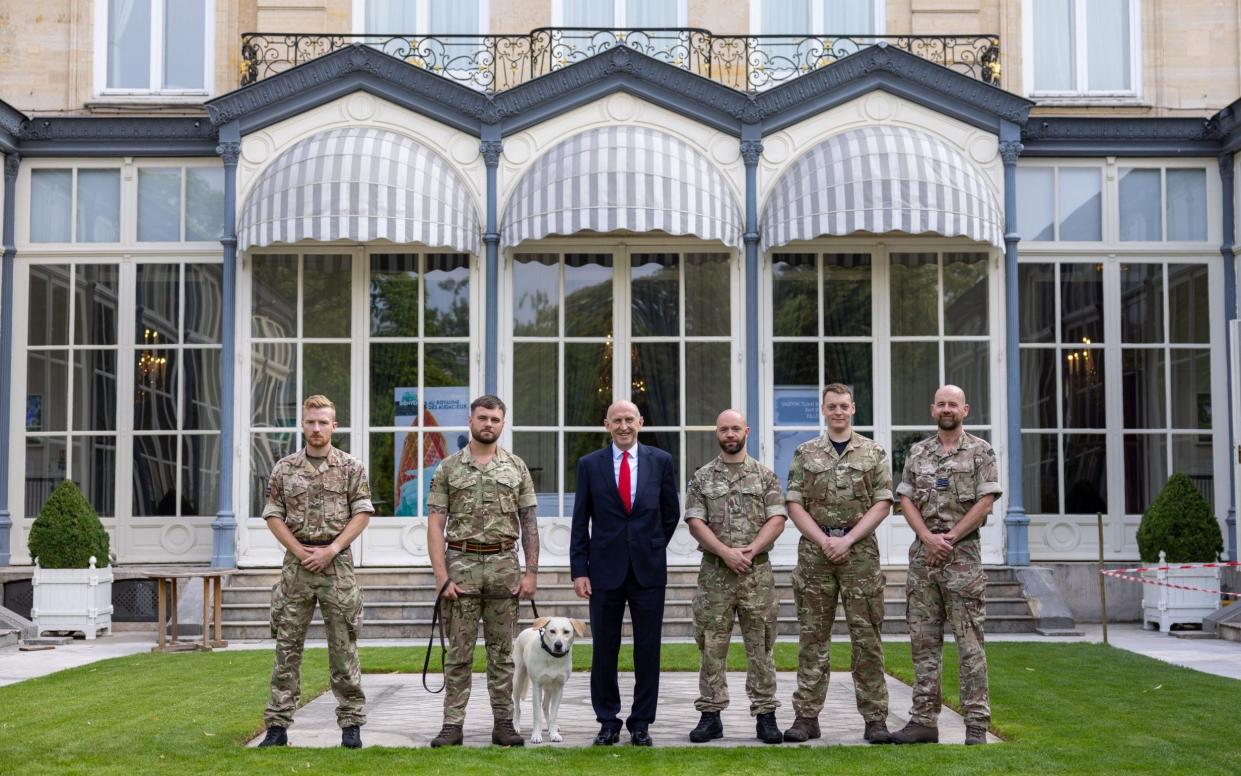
[491, 147]
[12, 162]
[751, 150]
[224, 527]
[1230, 313]
[1016, 524]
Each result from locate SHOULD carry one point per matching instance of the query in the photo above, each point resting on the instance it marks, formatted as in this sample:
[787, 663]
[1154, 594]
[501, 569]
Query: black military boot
[975, 734]
[709, 727]
[913, 733]
[766, 729]
[351, 737]
[503, 734]
[804, 729]
[877, 732]
[449, 735]
[276, 736]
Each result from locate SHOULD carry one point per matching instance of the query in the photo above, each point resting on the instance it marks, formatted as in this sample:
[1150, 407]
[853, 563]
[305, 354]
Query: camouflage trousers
[292, 606]
[487, 574]
[722, 598]
[858, 583]
[953, 591]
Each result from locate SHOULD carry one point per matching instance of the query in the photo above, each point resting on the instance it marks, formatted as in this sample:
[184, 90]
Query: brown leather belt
[478, 548]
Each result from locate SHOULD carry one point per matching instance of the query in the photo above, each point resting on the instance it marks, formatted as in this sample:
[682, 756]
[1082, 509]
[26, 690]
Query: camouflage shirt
[943, 486]
[316, 503]
[481, 502]
[735, 500]
[837, 488]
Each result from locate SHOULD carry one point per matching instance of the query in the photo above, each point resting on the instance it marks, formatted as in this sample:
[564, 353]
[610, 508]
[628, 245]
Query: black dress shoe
[351, 737]
[641, 737]
[276, 736]
[608, 735]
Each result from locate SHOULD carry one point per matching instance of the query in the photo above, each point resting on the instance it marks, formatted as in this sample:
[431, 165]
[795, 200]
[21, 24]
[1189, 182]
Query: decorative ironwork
[494, 63]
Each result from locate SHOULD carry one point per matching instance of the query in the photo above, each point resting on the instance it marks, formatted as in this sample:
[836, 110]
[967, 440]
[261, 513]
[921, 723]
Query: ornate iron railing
[493, 63]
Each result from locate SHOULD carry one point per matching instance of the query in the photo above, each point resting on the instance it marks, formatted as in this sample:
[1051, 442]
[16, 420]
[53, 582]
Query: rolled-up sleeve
[695, 503]
[906, 487]
[774, 498]
[797, 478]
[274, 506]
[360, 491]
[987, 474]
[883, 476]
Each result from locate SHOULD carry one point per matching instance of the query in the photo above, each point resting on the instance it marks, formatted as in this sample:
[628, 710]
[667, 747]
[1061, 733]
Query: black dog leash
[437, 626]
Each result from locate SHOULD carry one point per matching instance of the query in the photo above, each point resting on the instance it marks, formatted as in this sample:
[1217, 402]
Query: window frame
[817, 25]
[156, 74]
[423, 14]
[1081, 49]
[620, 15]
[1110, 204]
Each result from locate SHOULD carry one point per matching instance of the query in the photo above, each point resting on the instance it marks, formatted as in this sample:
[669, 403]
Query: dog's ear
[579, 627]
[540, 622]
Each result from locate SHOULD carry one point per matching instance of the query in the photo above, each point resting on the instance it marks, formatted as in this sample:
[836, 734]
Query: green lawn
[1063, 708]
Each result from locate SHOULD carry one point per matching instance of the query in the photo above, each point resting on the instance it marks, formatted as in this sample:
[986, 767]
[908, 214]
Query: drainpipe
[1016, 523]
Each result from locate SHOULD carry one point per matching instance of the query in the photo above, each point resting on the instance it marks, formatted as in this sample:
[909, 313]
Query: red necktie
[623, 484]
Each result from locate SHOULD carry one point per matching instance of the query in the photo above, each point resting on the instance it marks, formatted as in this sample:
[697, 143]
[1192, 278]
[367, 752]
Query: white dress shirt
[633, 470]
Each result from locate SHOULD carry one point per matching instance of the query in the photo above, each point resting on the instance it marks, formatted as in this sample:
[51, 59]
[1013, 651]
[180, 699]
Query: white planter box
[72, 600]
[1164, 607]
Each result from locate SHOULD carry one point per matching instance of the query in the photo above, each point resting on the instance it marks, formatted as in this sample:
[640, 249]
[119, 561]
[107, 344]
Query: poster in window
[436, 408]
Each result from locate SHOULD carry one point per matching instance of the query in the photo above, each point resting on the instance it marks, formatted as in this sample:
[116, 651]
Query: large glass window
[606, 14]
[75, 205]
[921, 317]
[176, 389]
[71, 380]
[318, 322]
[1153, 412]
[154, 46]
[180, 203]
[422, 17]
[819, 17]
[1159, 204]
[1082, 48]
[669, 315]
[1060, 203]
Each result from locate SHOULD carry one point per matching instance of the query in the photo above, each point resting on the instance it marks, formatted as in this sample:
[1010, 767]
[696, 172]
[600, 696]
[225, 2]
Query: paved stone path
[401, 713]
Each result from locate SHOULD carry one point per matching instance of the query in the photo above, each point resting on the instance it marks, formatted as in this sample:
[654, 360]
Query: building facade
[692, 205]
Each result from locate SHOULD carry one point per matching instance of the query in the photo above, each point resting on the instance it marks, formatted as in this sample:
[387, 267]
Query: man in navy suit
[626, 510]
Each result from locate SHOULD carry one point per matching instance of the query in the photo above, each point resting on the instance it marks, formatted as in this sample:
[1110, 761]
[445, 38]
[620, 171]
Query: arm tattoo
[529, 537]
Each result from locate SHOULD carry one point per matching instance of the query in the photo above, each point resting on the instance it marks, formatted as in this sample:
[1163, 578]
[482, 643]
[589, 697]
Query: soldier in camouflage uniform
[481, 502]
[948, 487]
[318, 502]
[839, 491]
[735, 509]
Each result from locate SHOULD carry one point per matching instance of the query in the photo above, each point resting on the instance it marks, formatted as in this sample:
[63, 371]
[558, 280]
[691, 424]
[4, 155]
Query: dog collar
[546, 649]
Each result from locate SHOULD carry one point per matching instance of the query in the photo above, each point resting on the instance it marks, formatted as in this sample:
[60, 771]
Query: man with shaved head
[735, 509]
[624, 515]
[948, 487]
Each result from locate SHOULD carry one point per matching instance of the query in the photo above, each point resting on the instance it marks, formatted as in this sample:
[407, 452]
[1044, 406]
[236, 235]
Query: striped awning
[360, 184]
[622, 177]
[882, 179]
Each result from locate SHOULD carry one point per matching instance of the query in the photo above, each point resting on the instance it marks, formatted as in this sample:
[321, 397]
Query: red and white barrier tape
[1222, 565]
[1120, 574]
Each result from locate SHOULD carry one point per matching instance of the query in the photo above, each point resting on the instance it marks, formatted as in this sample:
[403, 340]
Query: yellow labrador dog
[543, 654]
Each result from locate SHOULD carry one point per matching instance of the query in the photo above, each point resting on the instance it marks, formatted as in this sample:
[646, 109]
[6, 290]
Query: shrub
[1179, 522]
[67, 531]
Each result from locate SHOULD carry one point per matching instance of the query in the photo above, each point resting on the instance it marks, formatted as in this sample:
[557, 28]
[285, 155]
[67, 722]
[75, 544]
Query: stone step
[1230, 631]
[399, 602]
[574, 607]
[418, 631]
[677, 592]
[9, 637]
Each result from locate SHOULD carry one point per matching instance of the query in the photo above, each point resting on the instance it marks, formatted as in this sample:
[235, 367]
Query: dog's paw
[554, 736]
[537, 738]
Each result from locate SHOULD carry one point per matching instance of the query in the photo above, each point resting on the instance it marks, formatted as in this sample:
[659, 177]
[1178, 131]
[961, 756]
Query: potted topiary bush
[72, 573]
[1178, 528]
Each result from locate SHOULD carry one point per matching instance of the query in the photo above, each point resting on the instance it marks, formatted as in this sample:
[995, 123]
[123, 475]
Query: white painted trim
[1081, 49]
[154, 84]
[357, 18]
[620, 14]
[817, 25]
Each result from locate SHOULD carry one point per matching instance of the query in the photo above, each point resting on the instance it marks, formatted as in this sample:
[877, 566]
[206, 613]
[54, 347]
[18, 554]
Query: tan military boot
[913, 733]
[503, 734]
[804, 728]
[449, 735]
[975, 734]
